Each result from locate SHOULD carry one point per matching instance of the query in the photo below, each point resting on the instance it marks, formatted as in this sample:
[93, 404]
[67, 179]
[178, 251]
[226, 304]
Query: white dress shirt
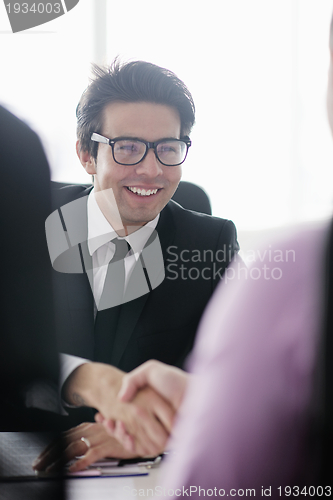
[100, 234]
[101, 248]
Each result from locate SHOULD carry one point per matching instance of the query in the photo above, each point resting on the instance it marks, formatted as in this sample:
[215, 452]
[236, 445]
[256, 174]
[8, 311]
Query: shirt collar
[100, 230]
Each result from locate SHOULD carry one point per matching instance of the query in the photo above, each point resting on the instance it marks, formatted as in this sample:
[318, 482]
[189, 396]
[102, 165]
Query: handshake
[136, 413]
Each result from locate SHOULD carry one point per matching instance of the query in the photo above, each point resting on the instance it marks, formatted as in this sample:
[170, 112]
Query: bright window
[257, 70]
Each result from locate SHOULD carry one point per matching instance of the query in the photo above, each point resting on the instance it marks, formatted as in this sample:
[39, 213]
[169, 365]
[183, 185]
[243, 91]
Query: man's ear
[87, 161]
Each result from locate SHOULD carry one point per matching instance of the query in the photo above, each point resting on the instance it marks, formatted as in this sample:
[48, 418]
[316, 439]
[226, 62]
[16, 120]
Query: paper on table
[105, 462]
[126, 470]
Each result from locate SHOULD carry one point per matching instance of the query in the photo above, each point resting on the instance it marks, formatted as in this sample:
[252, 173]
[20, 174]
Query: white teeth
[143, 192]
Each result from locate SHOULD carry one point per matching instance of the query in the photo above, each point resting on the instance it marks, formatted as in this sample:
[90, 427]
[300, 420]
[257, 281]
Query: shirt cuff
[68, 364]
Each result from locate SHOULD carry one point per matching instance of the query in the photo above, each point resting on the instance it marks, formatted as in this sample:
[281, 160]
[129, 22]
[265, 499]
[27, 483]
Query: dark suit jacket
[161, 324]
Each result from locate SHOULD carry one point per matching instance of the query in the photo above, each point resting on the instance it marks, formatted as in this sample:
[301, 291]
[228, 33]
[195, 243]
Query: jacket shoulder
[65, 193]
[196, 221]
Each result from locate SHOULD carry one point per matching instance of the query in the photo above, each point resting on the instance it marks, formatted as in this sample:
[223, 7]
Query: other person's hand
[169, 382]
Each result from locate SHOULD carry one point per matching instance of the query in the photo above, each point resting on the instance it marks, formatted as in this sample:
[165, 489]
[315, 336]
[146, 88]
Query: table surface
[18, 450]
[117, 488]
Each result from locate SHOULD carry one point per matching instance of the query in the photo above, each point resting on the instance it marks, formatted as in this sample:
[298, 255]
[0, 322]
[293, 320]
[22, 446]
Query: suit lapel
[79, 286]
[79, 292]
[131, 311]
[87, 263]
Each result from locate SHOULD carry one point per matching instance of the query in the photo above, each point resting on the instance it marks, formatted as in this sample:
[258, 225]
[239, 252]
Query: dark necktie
[110, 303]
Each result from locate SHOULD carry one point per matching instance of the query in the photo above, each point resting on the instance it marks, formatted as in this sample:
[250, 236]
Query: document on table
[116, 468]
[127, 470]
[103, 468]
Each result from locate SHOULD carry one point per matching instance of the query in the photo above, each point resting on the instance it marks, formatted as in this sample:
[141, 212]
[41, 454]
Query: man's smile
[142, 192]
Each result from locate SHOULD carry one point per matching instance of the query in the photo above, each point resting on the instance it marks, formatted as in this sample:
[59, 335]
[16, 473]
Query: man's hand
[93, 384]
[57, 454]
[167, 381]
[148, 417]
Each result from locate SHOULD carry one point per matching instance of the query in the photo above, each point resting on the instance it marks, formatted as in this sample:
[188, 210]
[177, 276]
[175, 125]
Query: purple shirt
[245, 420]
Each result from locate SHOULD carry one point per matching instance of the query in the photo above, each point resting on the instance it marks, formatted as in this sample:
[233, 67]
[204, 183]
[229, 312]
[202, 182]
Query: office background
[257, 71]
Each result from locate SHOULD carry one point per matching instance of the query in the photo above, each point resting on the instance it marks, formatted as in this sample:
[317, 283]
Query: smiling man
[143, 191]
[134, 122]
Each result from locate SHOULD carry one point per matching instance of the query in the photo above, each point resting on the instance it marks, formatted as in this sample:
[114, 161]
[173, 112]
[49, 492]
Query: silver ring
[86, 442]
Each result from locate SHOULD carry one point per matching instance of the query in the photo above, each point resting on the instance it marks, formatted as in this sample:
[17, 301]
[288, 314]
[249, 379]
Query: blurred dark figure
[28, 360]
[28, 353]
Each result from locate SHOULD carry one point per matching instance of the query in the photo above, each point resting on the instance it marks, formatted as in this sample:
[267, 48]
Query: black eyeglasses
[130, 151]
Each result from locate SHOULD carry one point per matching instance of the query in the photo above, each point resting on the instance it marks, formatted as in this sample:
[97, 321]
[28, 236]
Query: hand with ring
[88, 441]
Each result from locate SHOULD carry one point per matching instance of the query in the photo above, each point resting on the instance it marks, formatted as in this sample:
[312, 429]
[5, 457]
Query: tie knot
[122, 248]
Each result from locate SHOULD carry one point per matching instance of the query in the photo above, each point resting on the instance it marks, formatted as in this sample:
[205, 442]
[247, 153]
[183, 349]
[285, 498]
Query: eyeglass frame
[149, 145]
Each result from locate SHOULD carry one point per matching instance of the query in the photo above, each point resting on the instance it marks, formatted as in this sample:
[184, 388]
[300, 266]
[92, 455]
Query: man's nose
[150, 166]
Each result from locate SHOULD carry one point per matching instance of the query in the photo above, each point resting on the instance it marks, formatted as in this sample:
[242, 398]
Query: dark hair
[136, 81]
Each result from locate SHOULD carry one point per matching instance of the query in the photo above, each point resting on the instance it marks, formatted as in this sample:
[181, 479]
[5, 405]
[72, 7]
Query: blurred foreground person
[28, 353]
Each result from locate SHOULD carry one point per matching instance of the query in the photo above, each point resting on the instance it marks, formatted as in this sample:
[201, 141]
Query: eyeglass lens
[168, 152]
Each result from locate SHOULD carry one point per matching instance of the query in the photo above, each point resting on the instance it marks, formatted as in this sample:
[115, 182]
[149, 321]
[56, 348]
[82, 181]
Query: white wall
[257, 71]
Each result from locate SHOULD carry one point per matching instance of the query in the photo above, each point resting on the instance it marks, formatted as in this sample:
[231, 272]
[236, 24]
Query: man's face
[149, 122]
